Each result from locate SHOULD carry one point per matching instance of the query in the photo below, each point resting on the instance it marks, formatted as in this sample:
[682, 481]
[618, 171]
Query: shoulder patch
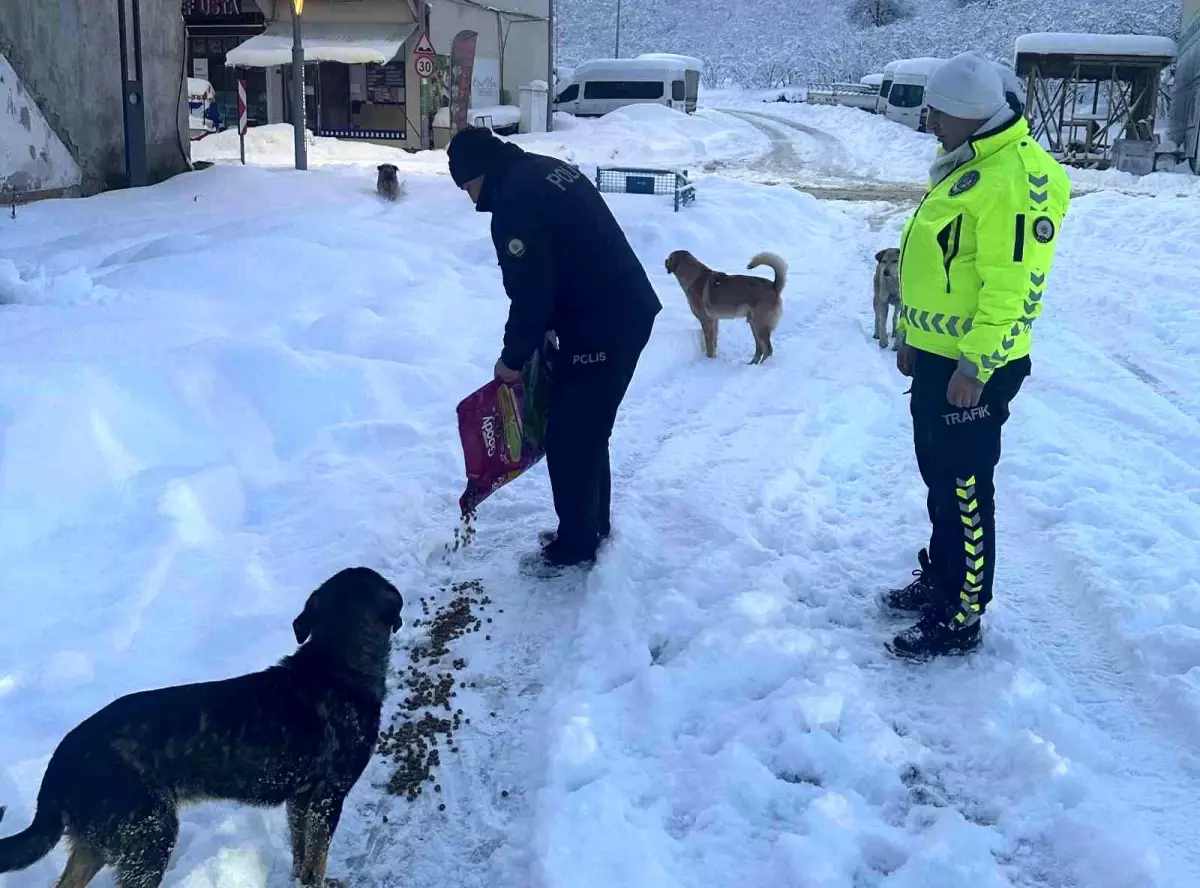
[516, 247]
[1043, 229]
[965, 183]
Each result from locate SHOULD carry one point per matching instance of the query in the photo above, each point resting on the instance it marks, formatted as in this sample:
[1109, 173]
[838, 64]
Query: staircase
[34, 162]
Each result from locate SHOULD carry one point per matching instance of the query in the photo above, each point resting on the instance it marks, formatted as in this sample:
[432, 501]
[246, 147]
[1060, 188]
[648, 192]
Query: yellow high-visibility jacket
[975, 256]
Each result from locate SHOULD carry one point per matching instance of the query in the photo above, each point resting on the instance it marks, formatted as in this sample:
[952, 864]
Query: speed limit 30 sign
[423, 56]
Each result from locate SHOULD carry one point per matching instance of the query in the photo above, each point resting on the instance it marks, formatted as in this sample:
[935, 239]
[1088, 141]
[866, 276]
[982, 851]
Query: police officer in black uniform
[567, 268]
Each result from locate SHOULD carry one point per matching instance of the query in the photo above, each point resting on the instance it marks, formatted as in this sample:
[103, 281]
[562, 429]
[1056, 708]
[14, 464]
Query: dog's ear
[879, 255]
[390, 605]
[302, 626]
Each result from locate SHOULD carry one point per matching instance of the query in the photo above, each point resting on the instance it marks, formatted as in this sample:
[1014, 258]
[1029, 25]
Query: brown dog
[714, 296]
[387, 185]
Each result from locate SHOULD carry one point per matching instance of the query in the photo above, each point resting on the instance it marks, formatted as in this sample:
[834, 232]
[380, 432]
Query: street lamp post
[298, 86]
[551, 80]
[617, 52]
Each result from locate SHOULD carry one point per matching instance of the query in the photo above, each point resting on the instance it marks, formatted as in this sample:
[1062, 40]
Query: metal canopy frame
[1058, 87]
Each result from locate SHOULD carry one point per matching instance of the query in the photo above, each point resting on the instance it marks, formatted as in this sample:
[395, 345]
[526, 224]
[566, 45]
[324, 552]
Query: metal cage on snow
[637, 180]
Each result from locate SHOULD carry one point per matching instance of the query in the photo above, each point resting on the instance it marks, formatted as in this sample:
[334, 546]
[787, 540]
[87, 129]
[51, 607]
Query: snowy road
[187, 453]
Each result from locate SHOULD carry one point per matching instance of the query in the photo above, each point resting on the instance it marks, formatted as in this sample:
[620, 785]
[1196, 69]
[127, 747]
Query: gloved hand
[905, 357]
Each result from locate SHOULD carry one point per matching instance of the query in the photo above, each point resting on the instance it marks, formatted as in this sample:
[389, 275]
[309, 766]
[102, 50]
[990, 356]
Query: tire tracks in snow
[830, 178]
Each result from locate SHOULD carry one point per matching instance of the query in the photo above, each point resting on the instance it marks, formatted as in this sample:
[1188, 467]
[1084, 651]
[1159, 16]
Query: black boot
[913, 597]
[554, 560]
[546, 537]
[936, 636]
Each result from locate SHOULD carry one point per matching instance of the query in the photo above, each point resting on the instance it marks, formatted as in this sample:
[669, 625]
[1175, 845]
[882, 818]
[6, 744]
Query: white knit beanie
[1008, 77]
[967, 87]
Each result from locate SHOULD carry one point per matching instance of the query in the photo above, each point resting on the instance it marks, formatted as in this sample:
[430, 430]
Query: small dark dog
[300, 733]
[387, 185]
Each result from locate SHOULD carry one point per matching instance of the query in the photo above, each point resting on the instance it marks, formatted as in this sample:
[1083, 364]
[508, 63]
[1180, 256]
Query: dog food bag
[503, 432]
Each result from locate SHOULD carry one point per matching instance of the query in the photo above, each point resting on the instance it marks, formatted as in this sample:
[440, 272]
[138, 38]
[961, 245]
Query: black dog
[387, 185]
[299, 733]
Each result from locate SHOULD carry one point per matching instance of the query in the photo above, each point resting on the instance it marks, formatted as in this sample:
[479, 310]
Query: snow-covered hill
[766, 43]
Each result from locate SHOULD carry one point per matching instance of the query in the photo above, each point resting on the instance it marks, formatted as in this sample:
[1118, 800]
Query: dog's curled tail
[28, 847]
[776, 264]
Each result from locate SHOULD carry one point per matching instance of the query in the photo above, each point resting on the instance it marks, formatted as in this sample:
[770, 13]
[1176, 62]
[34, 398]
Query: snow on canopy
[1054, 43]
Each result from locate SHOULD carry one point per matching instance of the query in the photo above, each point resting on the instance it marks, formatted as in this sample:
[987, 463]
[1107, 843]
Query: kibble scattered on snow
[411, 741]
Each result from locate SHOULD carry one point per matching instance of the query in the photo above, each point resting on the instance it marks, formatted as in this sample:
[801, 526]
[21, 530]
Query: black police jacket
[566, 263]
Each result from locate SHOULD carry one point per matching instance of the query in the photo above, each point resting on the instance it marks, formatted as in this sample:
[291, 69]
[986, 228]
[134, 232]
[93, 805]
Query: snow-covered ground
[813, 144]
[219, 391]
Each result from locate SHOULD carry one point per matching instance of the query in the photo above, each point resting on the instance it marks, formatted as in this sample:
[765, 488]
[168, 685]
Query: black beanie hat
[473, 152]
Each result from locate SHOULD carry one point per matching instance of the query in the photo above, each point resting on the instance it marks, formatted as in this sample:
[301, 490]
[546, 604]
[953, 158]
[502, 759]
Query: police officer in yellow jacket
[974, 266]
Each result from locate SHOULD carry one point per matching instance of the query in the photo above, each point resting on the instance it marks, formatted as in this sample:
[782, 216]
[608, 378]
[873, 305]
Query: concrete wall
[1185, 109]
[33, 160]
[66, 54]
[526, 46]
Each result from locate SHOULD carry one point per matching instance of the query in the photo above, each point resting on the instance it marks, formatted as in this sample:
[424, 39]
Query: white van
[885, 86]
[603, 85]
[906, 98]
[875, 82]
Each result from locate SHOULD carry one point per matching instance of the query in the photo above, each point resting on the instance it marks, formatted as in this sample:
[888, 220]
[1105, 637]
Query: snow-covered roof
[872, 80]
[648, 69]
[351, 43]
[197, 86]
[1054, 43]
[691, 61]
[918, 66]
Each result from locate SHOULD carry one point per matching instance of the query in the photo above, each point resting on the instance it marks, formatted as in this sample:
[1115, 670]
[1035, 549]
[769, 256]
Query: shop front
[215, 28]
[355, 76]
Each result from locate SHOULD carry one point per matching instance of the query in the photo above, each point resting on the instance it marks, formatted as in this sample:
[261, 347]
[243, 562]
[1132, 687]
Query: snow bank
[636, 134]
[1058, 43]
[649, 134]
[273, 146]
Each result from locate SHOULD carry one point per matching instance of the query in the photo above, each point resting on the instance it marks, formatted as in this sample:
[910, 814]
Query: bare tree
[877, 13]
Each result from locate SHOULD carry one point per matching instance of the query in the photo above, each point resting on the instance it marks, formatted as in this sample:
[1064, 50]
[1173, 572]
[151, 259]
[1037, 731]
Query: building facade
[1185, 109]
[65, 55]
[359, 78]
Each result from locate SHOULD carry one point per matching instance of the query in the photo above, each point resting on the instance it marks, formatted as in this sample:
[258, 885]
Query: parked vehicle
[885, 87]
[600, 86]
[852, 95]
[906, 98]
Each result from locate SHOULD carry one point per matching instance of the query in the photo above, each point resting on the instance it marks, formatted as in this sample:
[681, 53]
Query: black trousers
[586, 390]
[957, 452]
